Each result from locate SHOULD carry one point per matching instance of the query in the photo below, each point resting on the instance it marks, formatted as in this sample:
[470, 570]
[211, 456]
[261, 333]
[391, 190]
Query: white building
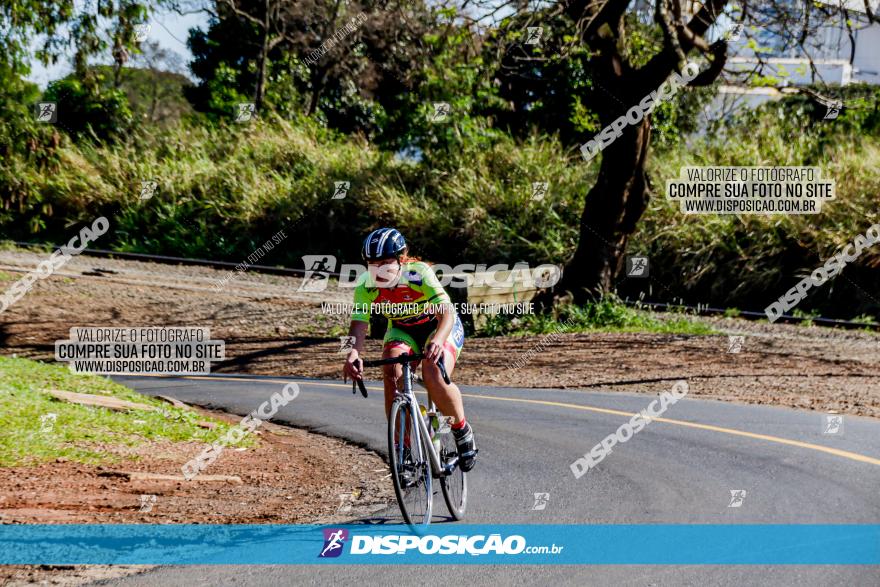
[782, 62]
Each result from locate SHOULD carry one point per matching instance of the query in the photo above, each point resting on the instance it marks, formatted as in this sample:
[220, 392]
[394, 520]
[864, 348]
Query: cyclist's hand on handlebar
[354, 367]
[433, 352]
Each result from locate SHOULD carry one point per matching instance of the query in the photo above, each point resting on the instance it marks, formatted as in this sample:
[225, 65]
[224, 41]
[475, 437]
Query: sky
[169, 29]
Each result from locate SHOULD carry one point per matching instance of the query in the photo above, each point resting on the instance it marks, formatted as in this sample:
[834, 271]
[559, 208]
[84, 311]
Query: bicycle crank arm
[450, 467]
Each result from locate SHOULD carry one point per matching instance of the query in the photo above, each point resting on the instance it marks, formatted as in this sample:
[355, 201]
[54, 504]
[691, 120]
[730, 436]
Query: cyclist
[421, 319]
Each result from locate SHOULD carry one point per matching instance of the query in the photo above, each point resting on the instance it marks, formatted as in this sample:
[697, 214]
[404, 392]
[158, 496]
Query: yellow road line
[211, 378]
[766, 437]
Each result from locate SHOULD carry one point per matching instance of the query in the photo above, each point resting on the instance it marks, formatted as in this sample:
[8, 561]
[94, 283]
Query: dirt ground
[271, 328]
[292, 477]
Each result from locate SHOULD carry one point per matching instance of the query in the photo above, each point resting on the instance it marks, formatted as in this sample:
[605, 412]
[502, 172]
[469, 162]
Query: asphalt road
[679, 471]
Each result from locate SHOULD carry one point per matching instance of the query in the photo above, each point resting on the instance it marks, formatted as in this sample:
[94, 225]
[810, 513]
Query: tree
[634, 46]
[272, 19]
[91, 28]
[23, 20]
[347, 62]
[162, 94]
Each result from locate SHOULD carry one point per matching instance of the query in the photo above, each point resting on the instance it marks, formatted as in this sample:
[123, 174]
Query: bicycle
[421, 448]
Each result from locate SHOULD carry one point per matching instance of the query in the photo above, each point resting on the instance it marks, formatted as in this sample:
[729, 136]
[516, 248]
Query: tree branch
[716, 66]
[591, 15]
[670, 35]
[659, 67]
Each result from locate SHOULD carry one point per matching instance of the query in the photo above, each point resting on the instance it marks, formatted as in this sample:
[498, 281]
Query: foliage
[354, 75]
[731, 260]
[460, 187]
[219, 57]
[87, 109]
[54, 26]
[225, 189]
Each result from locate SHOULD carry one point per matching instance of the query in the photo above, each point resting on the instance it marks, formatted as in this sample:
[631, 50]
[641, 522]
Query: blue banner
[661, 544]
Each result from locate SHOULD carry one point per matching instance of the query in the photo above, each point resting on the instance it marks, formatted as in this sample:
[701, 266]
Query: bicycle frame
[423, 435]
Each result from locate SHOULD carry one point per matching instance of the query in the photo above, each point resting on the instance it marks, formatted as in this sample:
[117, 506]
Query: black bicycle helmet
[383, 243]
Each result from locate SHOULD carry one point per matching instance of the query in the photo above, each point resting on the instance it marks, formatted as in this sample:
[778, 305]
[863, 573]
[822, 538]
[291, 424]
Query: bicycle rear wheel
[410, 469]
[454, 485]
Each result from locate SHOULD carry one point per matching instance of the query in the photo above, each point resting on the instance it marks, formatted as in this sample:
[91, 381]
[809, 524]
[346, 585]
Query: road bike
[421, 448]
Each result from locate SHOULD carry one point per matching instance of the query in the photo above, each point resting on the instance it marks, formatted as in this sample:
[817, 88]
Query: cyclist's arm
[360, 321]
[358, 330]
[446, 317]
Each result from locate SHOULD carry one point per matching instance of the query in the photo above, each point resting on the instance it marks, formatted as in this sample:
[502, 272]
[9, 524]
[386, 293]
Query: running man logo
[340, 189]
[541, 501]
[533, 35]
[441, 111]
[737, 496]
[539, 190]
[148, 189]
[735, 343]
[318, 269]
[734, 33]
[147, 503]
[346, 500]
[637, 267]
[141, 32]
[46, 112]
[334, 539]
[833, 110]
[346, 343]
[47, 422]
[246, 112]
[832, 424]
[547, 277]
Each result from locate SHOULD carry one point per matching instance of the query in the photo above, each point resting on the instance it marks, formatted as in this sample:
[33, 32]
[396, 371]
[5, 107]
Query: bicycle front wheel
[410, 469]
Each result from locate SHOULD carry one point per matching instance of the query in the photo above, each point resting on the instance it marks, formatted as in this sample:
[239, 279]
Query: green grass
[606, 315]
[80, 433]
[866, 319]
[807, 317]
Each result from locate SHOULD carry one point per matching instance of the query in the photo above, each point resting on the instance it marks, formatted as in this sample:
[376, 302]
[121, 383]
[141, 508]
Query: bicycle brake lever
[361, 385]
[355, 383]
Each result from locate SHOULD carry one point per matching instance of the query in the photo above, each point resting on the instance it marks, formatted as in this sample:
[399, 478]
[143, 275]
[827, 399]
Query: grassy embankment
[225, 190]
[82, 433]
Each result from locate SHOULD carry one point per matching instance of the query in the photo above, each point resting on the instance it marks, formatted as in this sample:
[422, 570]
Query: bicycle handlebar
[400, 359]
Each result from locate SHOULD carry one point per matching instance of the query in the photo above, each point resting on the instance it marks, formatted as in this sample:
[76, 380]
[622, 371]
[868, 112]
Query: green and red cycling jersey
[406, 303]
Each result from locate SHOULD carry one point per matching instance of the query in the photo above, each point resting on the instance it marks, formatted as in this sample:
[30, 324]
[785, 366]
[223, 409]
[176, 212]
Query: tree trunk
[260, 91]
[611, 211]
[319, 78]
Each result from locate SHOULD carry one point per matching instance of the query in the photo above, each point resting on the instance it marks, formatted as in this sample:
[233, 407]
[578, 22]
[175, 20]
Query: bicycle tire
[454, 485]
[419, 490]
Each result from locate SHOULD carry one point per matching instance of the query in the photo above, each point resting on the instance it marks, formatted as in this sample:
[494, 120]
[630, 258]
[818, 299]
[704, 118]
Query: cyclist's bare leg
[447, 397]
